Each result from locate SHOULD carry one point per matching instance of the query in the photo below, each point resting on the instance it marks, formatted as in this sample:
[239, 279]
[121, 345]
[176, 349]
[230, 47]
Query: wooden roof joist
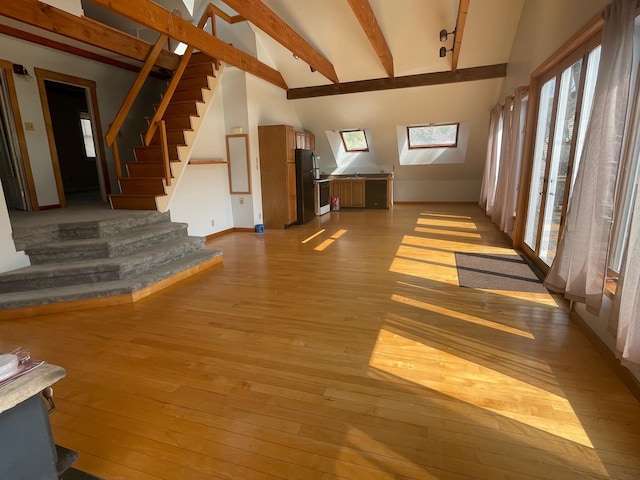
[422, 80]
[157, 18]
[52, 19]
[266, 20]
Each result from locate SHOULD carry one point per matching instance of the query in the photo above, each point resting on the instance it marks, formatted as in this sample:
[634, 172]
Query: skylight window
[433, 136]
[354, 140]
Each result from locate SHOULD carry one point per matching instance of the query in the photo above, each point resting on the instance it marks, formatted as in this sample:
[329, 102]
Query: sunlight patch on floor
[418, 269]
[448, 233]
[308, 239]
[539, 298]
[327, 243]
[460, 316]
[477, 389]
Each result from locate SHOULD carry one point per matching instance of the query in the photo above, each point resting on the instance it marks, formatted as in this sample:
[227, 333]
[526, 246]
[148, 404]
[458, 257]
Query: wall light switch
[29, 126]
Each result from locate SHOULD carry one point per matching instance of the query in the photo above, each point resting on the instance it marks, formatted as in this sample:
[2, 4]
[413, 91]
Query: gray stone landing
[88, 259]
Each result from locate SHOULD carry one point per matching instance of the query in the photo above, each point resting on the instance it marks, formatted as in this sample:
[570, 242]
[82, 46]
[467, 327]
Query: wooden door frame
[89, 86]
[22, 141]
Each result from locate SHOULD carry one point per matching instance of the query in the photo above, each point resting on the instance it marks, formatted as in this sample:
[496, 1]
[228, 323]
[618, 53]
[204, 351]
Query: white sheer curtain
[501, 181]
[580, 264]
[509, 172]
[625, 315]
[487, 191]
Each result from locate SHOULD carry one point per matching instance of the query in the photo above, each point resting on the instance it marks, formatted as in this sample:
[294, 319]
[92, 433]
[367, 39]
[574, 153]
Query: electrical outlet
[29, 126]
[213, 222]
[241, 200]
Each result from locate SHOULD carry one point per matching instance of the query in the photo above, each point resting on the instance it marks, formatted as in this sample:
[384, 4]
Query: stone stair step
[25, 237]
[80, 272]
[31, 298]
[106, 247]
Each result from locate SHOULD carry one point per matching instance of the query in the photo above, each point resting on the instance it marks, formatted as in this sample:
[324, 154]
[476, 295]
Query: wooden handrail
[165, 152]
[135, 89]
[173, 84]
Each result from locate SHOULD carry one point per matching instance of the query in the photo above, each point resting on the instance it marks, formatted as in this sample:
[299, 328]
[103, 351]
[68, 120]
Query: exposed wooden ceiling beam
[157, 18]
[364, 13]
[266, 20]
[80, 52]
[457, 39]
[52, 19]
[422, 80]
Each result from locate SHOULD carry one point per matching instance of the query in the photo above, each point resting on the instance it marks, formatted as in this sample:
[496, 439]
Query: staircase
[123, 257]
[145, 188]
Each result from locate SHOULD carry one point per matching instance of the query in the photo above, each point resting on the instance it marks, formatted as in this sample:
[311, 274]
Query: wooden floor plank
[353, 354]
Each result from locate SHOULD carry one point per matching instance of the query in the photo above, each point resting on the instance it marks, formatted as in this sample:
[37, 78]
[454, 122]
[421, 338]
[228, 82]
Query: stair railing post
[165, 151]
[116, 159]
[173, 84]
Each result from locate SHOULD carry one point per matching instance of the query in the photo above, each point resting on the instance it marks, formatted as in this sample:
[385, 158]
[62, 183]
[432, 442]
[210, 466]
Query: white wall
[10, 259]
[544, 26]
[383, 112]
[201, 198]
[112, 85]
[267, 105]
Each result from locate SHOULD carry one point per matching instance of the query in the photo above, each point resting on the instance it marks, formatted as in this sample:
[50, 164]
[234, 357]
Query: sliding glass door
[564, 106]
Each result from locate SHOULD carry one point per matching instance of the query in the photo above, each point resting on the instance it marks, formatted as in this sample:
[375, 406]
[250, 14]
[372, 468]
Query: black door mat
[490, 271]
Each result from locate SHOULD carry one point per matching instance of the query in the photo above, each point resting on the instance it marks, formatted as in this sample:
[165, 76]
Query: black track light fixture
[444, 34]
[443, 51]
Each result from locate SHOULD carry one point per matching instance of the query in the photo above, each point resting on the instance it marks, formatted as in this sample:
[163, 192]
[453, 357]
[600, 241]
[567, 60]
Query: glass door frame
[578, 47]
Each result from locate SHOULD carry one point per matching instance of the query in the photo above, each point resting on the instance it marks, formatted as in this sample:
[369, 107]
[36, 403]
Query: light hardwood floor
[342, 349]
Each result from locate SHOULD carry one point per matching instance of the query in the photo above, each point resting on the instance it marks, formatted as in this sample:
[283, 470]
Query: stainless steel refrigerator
[304, 185]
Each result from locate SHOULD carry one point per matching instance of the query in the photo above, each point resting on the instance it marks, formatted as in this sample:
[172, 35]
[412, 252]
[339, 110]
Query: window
[87, 135]
[433, 136]
[354, 140]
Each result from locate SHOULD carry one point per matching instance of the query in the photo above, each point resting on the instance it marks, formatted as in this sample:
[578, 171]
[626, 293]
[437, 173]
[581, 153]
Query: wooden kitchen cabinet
[309, 141]
[277, 145]
[292, 209]
[350, 191]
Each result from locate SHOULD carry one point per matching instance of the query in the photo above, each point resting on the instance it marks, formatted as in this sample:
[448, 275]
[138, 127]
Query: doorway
[15, 171]
[70, 109]
[74, 142]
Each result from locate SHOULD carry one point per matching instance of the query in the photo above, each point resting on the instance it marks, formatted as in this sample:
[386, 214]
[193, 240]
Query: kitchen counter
[351, 176]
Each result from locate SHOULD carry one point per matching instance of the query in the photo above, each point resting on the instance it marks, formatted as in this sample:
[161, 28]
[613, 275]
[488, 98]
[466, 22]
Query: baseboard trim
[395, 202]
[228, 231]
[632, 383]
[108, 301]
